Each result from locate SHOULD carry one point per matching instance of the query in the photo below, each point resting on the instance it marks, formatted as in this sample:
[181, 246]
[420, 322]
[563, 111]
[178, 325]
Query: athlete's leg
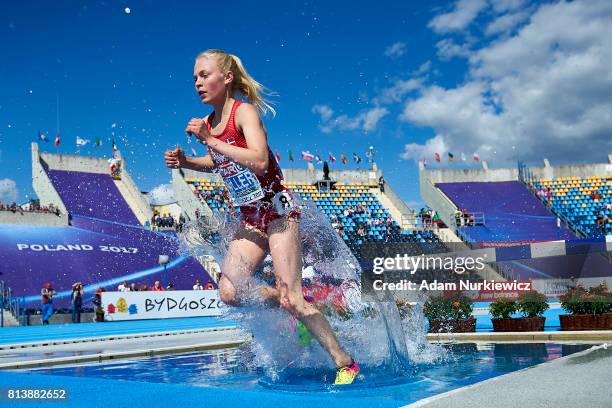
[245, 252]
[286, 250]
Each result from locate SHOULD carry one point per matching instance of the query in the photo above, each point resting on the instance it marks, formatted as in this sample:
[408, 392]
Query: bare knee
[228, 293]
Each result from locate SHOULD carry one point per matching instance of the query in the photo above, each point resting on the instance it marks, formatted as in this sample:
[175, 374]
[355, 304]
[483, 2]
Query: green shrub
[452, 306]
[503, 308]
[532, 304]
[595, 300]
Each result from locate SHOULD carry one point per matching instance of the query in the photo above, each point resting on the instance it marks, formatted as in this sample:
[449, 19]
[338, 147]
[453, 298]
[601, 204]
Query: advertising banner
[160, 305]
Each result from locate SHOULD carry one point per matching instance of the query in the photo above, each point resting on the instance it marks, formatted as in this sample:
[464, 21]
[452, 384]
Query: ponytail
[243, 83]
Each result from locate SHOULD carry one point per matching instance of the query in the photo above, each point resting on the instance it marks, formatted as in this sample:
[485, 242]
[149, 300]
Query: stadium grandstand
[99, 233]
[101, 230]
[352, 202]
[516, 206]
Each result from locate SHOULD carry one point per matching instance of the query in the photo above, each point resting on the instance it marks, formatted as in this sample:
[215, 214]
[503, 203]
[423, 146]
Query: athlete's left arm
[255, 156]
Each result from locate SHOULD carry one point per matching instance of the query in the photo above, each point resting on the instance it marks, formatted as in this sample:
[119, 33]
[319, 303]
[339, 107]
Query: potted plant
[99, 314]
[531, 304]
[501, 311]
[589, 309]
[450, 313]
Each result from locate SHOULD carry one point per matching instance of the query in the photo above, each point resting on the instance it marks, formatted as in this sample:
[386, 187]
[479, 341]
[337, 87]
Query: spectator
[124, 287]
[170, 286]
[97, 301]
[197, 285]
[458, 218]
[77, 301]
[157, 287]
[381, 184]
[435, 219]
[209, 286]
[601, 220]
[47, 293]
[143, 288]
[133, 287]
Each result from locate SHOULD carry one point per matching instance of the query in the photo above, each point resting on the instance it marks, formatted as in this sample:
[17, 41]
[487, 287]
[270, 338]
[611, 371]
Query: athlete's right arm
[199, 163]
[176, 159]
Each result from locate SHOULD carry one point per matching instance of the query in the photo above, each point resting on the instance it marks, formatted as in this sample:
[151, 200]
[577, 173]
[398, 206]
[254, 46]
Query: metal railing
[10, 304]
[472, 219]
[527, 178]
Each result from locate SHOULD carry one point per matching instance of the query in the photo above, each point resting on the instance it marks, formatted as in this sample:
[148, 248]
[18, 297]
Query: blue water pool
[465, 363]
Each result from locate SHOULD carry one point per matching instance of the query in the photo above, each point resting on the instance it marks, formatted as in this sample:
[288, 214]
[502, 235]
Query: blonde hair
[243, 82]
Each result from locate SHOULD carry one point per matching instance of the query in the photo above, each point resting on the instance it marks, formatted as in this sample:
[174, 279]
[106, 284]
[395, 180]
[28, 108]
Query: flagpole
[56, 140]
[57, 110]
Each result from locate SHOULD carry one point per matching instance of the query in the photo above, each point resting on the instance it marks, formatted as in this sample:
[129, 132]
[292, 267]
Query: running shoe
[346, 375]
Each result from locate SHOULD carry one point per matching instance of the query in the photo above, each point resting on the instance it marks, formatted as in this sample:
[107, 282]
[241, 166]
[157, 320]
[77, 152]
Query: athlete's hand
[175, 159]
[197, 127]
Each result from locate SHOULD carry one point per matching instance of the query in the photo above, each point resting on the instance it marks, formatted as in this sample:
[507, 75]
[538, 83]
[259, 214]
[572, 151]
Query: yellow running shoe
[346, 375]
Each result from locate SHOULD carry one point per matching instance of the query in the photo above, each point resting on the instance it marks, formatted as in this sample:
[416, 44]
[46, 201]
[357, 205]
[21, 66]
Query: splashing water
[386, 346]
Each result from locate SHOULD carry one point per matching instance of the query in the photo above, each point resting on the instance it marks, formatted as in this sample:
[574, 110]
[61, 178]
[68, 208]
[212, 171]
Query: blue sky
[409, 78]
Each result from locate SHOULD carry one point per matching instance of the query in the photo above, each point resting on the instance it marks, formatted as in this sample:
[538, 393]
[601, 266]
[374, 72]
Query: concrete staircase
[403, 221]
[9, 319]
[136, 206]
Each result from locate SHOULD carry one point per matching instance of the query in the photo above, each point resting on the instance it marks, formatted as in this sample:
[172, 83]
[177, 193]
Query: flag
[307, 156]
[113, 164]
[42, 136]
[114, 146]
[57, 139]
[290, 156]
[475, 157]
[81, 142]
[331, 157]
[451, 157]
[343, 158]
[437, 157]
[98, 142]
[356, 158]
[318, 159]
[462, 156]
[193, 152]
[370, 154]
[277, 157]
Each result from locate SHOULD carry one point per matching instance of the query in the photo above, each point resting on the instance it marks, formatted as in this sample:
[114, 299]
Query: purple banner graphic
[93, 252]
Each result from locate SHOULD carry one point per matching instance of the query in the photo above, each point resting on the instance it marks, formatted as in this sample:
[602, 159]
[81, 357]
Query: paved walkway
[581, 380]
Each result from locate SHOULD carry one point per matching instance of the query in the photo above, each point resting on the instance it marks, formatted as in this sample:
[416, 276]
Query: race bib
[283, 202]
[242, 185]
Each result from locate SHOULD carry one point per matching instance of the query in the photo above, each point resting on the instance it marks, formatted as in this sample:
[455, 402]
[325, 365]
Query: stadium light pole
[163, 260]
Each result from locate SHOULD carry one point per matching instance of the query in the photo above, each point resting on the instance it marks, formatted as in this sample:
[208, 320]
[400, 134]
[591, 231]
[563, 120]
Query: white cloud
[423, 68]
[463, 13]
[502, 6]
[366, 120]
[506, 22]
[416, 152]
[448, 49]
[8, 191]
[542, 92]
[398, 90]
[372, 117]
[324, 111]
[395, 50]
[161, 195]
